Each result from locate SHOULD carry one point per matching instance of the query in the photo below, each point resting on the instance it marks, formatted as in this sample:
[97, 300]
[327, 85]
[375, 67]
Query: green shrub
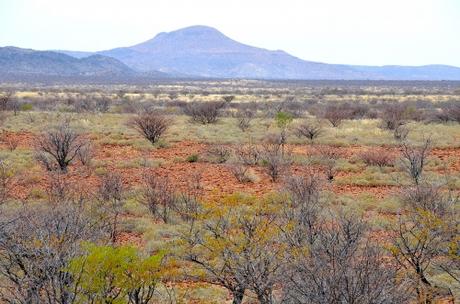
[192, 158]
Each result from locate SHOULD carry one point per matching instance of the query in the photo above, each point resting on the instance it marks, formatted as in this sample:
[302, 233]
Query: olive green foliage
[107, 274]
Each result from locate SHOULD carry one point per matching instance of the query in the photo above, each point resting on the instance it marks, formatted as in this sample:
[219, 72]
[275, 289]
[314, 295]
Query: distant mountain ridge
[202, 51]
[26, 61]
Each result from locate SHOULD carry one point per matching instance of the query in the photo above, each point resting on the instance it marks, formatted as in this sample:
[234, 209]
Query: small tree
[6, 180]
[36, 244]
[377, 157]
[5, 99]
[237, 246]
[328, 156]
[274, 159]
[341, 266]
[393, 116]
[110, 275]
[309, 130]
[110, 194]
[204, 112]
[283, 120]
[150, 125]
[159, 197]
[413, 159]
[244, 118]
[336, 114]
[59, 146]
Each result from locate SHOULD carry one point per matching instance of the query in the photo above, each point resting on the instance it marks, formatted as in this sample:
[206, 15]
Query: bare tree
[400, 133]
[5, 99]
[6, 181]
[329, 156]
[377, 157]
[425, 237]
[204, 112]
[303, 210]
[341, 266]
[393, 116]
[159, 196]
[36, 244]
[249, 154]
[238, 248]
[110, 194]
[311, 131]
[413, 159]
[274, 159]
[219, 153]
[59, 146]
[150, 125]
[244, 118]
[335, 115]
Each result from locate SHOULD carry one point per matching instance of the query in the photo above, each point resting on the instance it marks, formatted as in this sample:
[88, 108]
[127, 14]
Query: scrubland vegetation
[230, 192]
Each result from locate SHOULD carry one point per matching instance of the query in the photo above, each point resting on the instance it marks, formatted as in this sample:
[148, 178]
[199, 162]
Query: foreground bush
[36, 244]
[105, 274]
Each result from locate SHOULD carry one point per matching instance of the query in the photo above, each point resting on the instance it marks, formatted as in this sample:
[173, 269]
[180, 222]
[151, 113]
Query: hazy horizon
[355, 32]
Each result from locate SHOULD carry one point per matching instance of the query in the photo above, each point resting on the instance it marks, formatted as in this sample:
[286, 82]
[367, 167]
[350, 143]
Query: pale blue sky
[371, 32]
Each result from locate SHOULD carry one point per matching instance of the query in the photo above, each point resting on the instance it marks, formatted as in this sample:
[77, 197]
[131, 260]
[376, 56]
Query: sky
[366, 32]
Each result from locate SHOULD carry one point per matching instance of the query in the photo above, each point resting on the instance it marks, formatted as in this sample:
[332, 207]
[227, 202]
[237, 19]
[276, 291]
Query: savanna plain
[238, 191]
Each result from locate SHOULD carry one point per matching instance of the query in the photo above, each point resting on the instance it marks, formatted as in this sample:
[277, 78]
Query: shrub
[219, 153]
[59, 147]
[85, 155]
[453, 112]
[111, 192]
[336, 114]
[329, 156]
[377, 157]
[248, 154]
[192, 158]
[204, 112]
[6, 180]
[413, 159]
[244, 118]
[10, 141]
[240, 172]
[158, 196]
[150, 125]
[393, 116]
[274, 159]
[400, 133]
[309, 130]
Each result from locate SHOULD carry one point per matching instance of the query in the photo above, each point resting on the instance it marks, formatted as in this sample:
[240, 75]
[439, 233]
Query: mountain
[18, 64]
[25, 61]
[201, 51]
[206, 52]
